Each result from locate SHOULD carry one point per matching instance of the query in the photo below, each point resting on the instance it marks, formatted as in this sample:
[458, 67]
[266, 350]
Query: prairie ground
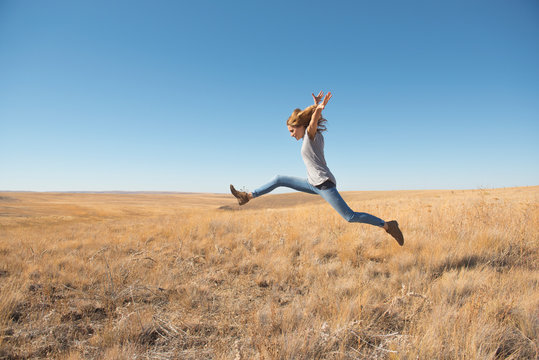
[193, 276]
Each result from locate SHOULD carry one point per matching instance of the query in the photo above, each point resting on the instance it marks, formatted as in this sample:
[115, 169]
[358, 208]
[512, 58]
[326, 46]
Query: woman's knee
[348, 217]
[278, 179]
[346, 214]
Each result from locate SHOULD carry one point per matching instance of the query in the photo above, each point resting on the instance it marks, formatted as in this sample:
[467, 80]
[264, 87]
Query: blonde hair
[303, 118]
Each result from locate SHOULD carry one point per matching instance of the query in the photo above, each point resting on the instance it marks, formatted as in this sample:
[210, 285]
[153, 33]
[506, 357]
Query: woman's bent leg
[286, 181]
[335, 199]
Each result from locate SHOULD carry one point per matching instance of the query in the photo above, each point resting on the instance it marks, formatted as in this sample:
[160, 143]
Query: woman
[308, 124]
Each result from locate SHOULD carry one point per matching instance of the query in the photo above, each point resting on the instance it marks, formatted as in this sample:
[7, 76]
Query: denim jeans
[332, 196]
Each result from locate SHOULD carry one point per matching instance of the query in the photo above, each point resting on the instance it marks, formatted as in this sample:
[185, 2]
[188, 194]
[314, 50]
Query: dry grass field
[193, 276]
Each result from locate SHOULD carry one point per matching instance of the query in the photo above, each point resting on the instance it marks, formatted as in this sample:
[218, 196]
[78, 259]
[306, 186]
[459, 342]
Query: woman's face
[297, 132]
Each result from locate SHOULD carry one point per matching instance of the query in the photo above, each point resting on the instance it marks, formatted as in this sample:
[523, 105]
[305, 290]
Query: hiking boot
[242, 196]
[393, 230]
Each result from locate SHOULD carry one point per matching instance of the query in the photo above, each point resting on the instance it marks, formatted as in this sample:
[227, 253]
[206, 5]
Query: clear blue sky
[194, 95]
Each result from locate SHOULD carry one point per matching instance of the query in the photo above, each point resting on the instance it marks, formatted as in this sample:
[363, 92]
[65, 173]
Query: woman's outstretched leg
[291, 182]
[278, 181]
[335, 199]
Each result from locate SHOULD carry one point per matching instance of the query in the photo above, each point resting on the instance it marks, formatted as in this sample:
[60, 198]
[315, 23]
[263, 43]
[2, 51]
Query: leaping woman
[320, 180]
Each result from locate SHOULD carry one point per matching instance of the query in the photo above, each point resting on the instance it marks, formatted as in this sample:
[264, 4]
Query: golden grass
[163, 276]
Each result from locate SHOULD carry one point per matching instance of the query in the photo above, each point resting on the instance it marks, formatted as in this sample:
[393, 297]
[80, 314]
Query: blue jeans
[332, 196]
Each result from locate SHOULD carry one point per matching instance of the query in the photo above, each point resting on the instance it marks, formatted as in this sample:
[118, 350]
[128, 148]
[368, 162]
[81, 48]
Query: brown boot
[393, 230]
[242, 196]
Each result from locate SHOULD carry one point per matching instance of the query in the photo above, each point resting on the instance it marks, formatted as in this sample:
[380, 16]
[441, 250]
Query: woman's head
[300, 119]
[297, 132]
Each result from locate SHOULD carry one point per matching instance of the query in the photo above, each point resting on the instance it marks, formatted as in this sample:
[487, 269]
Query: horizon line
[163, 192]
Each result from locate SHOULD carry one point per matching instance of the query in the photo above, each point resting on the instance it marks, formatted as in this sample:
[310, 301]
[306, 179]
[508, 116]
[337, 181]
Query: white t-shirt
[312, 152]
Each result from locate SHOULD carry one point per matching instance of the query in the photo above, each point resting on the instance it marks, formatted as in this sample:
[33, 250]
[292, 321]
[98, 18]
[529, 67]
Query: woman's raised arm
[313, 125]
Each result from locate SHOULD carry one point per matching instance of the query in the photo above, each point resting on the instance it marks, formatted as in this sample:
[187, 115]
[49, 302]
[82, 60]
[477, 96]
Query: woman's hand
[323, 104]
[318, 98]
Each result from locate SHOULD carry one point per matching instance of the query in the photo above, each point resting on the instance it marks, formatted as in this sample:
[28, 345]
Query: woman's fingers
[318, 98]
[326, 99]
